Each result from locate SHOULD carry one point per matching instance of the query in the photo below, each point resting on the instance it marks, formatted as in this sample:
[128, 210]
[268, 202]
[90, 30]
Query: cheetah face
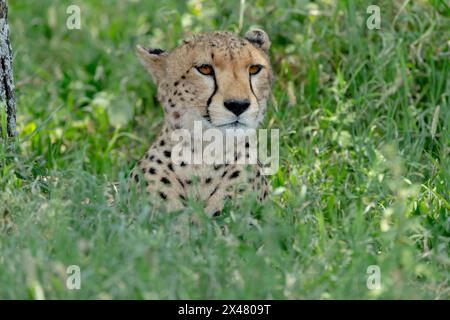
[217, 78]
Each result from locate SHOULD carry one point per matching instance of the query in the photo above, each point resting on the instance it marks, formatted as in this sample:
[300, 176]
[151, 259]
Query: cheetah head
[217, 78]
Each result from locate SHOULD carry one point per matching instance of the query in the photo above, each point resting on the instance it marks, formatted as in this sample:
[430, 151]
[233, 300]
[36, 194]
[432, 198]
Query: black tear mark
[251, 88]
[208, 102]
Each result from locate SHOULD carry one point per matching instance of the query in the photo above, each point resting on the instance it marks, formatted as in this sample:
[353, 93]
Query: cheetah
[222, 81]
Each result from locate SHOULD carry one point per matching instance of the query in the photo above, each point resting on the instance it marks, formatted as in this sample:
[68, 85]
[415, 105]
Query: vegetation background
[364, 177]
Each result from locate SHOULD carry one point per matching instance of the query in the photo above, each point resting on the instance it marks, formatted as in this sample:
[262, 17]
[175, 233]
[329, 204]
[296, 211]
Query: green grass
[364, 173]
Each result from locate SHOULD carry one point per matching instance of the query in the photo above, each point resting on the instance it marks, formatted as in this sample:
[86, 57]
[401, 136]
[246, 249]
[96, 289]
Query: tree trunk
[6, 72]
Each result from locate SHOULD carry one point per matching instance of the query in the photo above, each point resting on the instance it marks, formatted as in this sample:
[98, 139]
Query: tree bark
[6, 72]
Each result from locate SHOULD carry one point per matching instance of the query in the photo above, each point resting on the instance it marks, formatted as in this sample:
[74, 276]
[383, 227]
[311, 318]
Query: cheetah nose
[237, 106]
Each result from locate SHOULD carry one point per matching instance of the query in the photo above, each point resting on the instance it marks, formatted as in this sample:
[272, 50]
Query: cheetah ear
[259, 38]
[154, 60]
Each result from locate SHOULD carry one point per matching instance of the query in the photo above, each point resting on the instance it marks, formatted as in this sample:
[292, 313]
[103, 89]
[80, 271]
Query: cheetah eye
[254, 69]
[205, 69]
